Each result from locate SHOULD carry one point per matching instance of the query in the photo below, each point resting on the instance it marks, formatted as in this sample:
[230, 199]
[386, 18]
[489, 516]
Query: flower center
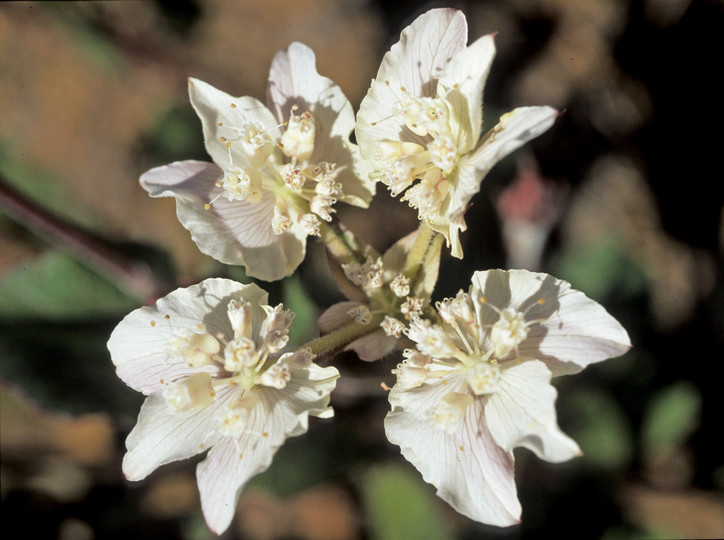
[461, 349]
[431, 160]
[305, 192]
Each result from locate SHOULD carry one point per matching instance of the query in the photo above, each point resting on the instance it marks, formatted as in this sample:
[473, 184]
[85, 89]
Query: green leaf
[392, 491]
[601, 269]
[671, 417]
[55, 287]
[601, 429]
[41, 186]
[305, 310]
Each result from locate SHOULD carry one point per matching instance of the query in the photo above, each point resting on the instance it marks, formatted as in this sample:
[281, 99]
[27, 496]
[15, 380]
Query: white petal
[462, 85]
[195, 176]
[214, 107]
[293, 80]
[139, 345]
[139, 348]
[575, 332]
[514, 130]
[163, 435]
[472, 473]
[521, 412]
[233, 232]
[278, 414]
[416, 62]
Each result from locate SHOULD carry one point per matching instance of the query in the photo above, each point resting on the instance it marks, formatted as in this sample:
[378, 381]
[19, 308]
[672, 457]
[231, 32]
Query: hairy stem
[336, 339]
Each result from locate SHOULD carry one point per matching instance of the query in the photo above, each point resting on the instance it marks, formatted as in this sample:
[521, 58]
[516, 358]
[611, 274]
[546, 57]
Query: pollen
[153, 323]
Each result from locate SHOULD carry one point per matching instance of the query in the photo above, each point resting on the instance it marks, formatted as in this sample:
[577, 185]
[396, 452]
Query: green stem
[340, 337]
[343, 246]
[416, 256]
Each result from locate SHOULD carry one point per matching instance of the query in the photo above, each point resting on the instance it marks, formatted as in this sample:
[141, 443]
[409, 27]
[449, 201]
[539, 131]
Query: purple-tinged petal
[233, 232]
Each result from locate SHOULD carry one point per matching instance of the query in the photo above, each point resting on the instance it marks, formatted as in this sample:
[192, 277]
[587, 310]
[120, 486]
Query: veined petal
[139, 348]
[194, 176]
[277, 415]
[233, 232]
[163, 434]
[462, 85]
[514, 130]
[139, 345]
[572, 330]
[470, 471]
[414, 63]
[426, 46]
[221, 112]
[521, 412]
[293, 80]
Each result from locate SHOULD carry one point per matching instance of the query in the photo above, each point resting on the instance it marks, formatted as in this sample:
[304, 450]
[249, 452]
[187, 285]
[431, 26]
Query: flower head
[209, 359]
[478, 385]
[277, 171]
[421, 120]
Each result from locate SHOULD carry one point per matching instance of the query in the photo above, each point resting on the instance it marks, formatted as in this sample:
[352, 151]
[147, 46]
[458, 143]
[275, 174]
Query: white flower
[421, 120]
[277, 171]
[205, 357]
[479, 385]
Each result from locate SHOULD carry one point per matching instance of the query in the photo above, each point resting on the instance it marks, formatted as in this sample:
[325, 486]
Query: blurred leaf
[90, 41]
[305, 310]
[175, 135]
[301, 462]
[601, 429]
[41, 186]
[55, 286]
[671, 417]
[65, 365]
[601, 269]
[392, 491]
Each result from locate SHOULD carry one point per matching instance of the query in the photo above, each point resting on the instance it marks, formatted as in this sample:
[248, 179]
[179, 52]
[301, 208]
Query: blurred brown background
[92, 94]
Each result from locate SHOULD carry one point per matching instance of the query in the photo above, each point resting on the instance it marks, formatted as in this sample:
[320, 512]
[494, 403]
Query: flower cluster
[474, 381]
